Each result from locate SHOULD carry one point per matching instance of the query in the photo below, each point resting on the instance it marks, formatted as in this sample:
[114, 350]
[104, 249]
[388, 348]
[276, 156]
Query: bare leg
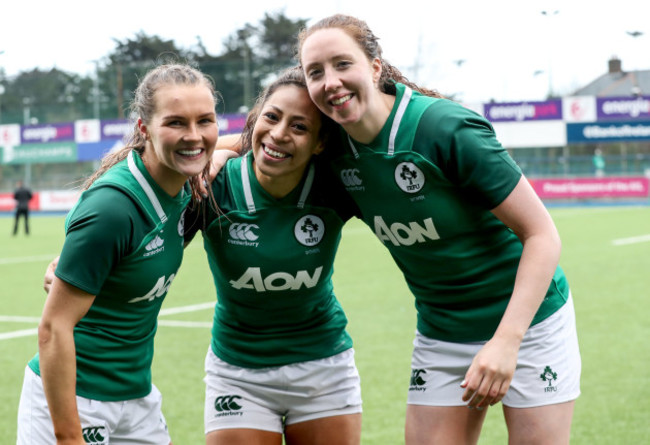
[243, 436]
[453, 425]
[335, 430]
[542, 425]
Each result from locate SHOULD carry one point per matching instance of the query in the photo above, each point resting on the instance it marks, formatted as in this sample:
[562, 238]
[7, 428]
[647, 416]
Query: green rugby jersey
[272, 263]
[425, 186]
[124, 244]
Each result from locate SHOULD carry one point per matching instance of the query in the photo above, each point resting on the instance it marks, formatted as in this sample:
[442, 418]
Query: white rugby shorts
[137, 421]
[269, 398]
[547, 373]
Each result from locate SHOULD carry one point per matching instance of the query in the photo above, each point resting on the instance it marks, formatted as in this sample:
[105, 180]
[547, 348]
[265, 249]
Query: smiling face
[342, 81]
[181, 136]
[285, 136]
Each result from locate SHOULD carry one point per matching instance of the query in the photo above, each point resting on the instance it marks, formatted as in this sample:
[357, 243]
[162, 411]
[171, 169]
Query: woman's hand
[49, 275]
[490, 374]
[218, 160]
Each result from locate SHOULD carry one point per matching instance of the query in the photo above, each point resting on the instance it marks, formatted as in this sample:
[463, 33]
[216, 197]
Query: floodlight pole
[96, 90]
[636, 90]
[549, 13]
[2, 91]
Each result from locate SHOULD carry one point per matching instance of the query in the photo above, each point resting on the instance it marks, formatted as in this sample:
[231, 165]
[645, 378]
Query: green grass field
[606, 255]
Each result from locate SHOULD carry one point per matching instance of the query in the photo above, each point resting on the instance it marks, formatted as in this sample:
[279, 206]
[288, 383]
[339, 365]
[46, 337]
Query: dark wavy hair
[291, 76]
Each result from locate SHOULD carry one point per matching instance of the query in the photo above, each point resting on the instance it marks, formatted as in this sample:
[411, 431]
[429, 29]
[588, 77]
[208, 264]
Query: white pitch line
[27, 259]
[16, 334]
[183, 309]
[170, 311]
[18, 319]
[185, 324]
[631, 240]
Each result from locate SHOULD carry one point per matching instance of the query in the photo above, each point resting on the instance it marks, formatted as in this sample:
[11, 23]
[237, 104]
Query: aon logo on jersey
[401, 234]
[160, 289]
[278, 281]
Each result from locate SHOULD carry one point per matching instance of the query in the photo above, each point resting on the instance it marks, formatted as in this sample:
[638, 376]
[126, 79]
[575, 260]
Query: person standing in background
[22, 195]
[599, 163]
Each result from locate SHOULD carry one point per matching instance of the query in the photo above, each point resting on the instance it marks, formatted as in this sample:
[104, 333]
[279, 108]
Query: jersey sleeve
[330, 192]
[102, 229]
[465, 147]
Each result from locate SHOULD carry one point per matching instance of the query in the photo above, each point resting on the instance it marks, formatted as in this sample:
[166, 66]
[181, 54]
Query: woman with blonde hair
[91, 379]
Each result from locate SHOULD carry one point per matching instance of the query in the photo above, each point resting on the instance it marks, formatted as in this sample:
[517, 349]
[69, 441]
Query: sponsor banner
[579, 109]
[623, 108]
[8, 203]
[9, 135]
[115, 129]
[87, 131]
[34, 134]
[40, 153]
[609, 132]
[615, 187]
[531, 134]
[231, 123]
[58, 200]
[96, 150]
[523, 111]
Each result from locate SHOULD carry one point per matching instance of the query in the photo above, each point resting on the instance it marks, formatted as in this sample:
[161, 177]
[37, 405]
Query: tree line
[251, 55]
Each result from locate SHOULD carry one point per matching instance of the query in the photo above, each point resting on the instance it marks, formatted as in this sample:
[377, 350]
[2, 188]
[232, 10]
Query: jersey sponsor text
[160, 288]
[405, 234]
[278, 281]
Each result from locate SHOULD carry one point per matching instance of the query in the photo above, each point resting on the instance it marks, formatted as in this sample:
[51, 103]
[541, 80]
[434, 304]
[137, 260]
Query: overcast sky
[510, 50]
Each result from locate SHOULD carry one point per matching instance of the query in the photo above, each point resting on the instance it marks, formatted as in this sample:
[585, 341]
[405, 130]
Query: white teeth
[275, 154]
[190, 152]
[342, 100]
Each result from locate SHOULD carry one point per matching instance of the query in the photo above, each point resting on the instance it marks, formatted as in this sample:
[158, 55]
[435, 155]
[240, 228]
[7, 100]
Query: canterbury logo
[243, 232]
[227, 403]
[154, 244]
[93, 436]
[350, 177]
[416, 377]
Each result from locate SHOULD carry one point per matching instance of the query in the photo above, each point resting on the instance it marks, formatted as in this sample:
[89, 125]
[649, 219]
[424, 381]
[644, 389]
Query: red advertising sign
[8, 203]
[614, 187]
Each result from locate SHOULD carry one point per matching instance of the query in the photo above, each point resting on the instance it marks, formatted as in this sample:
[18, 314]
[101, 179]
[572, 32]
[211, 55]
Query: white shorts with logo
[269, 398]
[136, 421]
[548, 366]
